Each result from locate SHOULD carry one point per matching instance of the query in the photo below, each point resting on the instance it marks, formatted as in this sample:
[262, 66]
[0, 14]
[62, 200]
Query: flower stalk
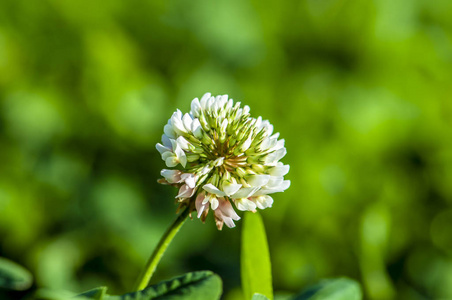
[157, 255]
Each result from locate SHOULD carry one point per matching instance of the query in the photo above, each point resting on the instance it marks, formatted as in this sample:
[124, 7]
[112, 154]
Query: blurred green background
[360, 90]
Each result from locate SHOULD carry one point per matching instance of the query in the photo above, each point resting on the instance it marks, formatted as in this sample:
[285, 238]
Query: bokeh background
[360, 90]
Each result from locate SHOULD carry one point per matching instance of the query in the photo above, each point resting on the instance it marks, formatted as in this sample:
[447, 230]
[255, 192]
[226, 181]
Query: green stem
[157, 255]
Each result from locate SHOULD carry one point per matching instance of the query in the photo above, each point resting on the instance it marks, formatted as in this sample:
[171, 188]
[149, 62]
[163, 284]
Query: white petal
[176, 121]
[189, 179]
[183, 160]
[227, 210]
[258, 122]
[280, 153]
[279, 144]
[206, 199]
[229, 105]
[218, 162]
[171, 161]
[245, 204]
[200, 210]
[285, 185]
[272, 142]
[224, 125]
[172, 176]
[268, 201]
[210, 104]
[162, 149]
[258, 180]
[279, 170]
[199, 203]
[187, 120]
[265, 144]
[181, 155]
[228, 222]
[246, 145]
[240, 206]
[167, 154]
[219, 216]
[182, 142]
[244, 192]
[166, 141]
[230, 188]
[264, 191]
[196, 128]
[275, 181]
[213, 190]
[191, 182]
[263, 202]
[195, 107]
[205, 170]
[173, 144]
[223, 99]
[216, 104]
[185, 192]
[274, 157]
[214, 203]
[239, 112]
[169, 131]
[268, 128]
[204, 99]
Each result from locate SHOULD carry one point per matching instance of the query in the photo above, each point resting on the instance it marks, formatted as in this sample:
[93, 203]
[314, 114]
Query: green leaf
[333, 289]
[195, 285]
[98, 293]
[190, 286]
[259, 297]
[255, 258]
[14, 276]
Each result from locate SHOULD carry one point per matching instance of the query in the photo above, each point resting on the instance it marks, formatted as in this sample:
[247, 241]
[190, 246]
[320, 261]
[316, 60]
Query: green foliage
[191, 286]
[14, 276]
[255, 259]
[332, 289]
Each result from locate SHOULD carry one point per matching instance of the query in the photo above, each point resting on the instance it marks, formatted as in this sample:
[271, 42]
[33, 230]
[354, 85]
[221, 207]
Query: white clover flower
[220, 154]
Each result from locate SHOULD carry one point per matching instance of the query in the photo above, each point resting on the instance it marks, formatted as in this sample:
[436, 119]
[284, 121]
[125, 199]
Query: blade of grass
[255, 258]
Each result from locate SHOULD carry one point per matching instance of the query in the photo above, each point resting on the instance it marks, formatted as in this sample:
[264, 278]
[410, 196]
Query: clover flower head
[219, 155]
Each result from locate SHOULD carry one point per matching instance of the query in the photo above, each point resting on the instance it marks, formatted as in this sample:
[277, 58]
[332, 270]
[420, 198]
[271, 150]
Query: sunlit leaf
[333, 289]
[255, 258]
[14, 276]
